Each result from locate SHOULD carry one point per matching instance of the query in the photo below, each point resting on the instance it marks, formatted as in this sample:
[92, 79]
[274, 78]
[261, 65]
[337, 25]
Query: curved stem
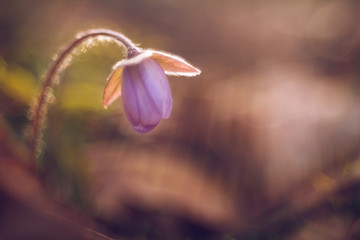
[39, 110]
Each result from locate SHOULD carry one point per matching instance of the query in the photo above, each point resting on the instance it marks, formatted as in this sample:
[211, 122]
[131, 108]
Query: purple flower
[145, 88]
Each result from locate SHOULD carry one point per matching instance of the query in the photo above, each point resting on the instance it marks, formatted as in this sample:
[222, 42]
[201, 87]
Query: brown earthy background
[264, 144]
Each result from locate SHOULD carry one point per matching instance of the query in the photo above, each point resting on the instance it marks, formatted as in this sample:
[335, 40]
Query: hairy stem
[39, 109]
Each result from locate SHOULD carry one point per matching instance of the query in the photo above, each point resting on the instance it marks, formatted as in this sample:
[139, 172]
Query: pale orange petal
[113, 87]
[174, 65]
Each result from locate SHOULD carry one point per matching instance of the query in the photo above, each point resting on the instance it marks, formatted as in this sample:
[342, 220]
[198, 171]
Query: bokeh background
[264, 144]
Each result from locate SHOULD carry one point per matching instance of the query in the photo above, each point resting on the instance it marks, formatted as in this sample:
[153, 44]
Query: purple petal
[139, 106]
[157, 85]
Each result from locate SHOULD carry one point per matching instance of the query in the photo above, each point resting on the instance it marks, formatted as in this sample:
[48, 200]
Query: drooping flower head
[142, 82]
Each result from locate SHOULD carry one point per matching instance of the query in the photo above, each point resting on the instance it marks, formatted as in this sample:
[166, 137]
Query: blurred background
[264, 144]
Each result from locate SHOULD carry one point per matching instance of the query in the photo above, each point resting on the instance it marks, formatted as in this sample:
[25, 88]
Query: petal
[138, 105]
[157, 86]
[134, 60]
[174, 65]
[113, 87]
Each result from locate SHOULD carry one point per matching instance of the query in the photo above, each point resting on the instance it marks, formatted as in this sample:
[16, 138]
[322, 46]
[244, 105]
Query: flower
[145, 88]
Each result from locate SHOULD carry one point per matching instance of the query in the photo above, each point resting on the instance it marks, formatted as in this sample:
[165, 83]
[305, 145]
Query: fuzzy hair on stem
[39, 109]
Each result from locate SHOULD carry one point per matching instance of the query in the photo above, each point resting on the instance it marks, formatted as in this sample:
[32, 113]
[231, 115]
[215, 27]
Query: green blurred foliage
[17, 82]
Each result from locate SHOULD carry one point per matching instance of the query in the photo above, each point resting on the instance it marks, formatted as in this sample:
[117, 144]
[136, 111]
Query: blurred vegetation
[264, 144]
